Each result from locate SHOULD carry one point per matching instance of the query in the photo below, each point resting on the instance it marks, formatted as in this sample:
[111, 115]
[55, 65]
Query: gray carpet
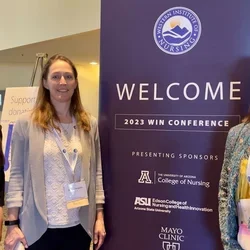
[4, 231]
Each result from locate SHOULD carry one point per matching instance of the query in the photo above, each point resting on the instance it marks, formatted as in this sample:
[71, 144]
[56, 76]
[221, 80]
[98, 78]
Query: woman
[55, 186]
[234, 189]
[2, 182]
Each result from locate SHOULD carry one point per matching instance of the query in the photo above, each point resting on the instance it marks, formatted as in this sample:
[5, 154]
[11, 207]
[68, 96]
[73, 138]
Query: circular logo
[177, 30]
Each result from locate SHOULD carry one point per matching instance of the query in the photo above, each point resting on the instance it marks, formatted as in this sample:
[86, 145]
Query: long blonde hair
[44, 113]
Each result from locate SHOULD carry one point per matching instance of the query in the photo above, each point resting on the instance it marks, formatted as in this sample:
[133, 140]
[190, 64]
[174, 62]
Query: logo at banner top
[171, 246]
[144, 178]
[177, 30]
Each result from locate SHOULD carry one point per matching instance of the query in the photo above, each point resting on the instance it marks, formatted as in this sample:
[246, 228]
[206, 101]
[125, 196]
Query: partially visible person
[2, 182]
[234, 189]
[55, 195]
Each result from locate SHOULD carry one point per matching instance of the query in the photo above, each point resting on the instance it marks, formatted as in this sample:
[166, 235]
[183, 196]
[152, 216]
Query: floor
[4, 232]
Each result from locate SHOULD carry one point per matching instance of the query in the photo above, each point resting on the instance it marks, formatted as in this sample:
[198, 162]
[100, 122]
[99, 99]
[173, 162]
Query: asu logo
[177, 30]
[142, 201]
[145, 177]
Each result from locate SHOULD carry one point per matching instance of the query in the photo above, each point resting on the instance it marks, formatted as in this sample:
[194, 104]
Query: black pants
[72, 238]
[2, 183]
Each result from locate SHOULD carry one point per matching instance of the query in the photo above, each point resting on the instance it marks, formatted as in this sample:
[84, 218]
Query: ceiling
[82, 48]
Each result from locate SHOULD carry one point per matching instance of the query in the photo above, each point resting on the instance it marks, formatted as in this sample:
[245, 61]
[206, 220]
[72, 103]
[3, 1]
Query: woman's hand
[13, 236]
[1, 222]
[99, 233]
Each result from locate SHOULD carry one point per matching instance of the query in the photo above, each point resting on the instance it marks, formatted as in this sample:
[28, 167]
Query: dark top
[2, 182]
[2, 179]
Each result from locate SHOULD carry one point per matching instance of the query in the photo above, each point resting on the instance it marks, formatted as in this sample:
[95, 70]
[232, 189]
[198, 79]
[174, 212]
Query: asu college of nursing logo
[177, 30]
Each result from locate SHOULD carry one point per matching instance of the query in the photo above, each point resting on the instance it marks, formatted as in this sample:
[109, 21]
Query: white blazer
[27, 186]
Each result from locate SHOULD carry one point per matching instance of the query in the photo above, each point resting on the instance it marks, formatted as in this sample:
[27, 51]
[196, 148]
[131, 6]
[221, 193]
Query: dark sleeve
[2, 184]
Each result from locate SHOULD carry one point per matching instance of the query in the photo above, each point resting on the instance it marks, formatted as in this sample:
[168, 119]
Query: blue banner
[174, 80]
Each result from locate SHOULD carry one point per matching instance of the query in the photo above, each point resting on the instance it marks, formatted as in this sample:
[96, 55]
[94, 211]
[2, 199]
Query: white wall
[89, 87]
[15, 75]
[30, 21]
[19, 75]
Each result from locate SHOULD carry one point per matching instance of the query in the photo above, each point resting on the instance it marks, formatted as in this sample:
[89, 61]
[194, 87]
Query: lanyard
[248, 169]
[71, 164]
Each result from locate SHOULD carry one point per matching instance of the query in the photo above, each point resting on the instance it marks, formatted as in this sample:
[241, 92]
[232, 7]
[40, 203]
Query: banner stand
[39, 57]
[17, 101]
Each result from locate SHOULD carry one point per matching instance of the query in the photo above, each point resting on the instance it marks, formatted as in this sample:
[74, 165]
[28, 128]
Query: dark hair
[1, 148]
[44, 113]
[246, 119]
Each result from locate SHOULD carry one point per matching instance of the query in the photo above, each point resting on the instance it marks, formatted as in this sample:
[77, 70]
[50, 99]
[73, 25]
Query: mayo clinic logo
[144, 178]
[172, 238]
[177, 30]
[166, 245]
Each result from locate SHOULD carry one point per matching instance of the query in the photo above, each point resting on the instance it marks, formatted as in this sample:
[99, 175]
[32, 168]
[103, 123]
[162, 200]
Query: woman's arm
[2, 182]
[1, 222]
[100, 199]
[99, 231]
[14, 234]
[227, 217]
[14, 197]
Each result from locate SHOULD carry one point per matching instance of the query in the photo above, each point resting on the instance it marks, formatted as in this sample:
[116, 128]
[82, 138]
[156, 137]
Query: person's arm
[14, 234]
[14, 196]
[227, 218]
[1, 222]
[2, 184]
[100, 199]
[99, 231]
[13, 213]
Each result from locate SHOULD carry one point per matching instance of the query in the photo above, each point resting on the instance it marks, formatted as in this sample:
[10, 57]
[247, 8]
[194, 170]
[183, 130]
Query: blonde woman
[55, 196]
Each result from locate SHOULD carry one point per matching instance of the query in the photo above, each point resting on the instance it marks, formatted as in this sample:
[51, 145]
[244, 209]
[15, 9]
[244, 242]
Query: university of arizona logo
[177, 30]
[144, 178]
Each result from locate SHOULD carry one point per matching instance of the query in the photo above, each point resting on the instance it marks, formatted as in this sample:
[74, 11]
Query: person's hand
[99, 233]
[13, 236]
[1, 222]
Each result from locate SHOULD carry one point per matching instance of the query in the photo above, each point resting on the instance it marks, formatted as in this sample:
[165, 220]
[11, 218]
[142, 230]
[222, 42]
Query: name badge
[76, 195]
